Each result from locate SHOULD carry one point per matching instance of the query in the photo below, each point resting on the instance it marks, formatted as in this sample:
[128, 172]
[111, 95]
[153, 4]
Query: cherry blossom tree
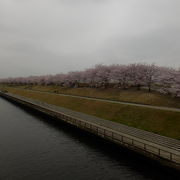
[143, 76]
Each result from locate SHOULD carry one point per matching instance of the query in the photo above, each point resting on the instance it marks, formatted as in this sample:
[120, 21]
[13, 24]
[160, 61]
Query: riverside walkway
[108, 100]
[164, 149]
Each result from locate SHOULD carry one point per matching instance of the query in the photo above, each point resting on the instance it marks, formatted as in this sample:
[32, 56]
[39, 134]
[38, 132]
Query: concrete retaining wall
[163, 154]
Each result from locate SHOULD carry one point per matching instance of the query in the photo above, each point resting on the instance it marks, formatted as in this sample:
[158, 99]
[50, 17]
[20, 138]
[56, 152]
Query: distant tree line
[141, 76]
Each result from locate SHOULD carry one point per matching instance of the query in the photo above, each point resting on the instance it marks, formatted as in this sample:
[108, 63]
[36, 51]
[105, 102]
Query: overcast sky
[52, 36]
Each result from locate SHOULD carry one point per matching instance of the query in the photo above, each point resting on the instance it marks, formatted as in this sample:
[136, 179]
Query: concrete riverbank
[163, 149]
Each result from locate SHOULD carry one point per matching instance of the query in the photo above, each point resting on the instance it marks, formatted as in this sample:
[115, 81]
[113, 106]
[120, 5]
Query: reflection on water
[33, 148]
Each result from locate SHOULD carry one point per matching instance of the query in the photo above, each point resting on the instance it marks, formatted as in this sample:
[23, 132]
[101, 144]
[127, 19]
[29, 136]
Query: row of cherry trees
[142, 76]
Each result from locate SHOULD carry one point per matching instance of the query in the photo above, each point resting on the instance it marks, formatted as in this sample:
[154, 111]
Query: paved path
[150, 144]
[145, 135]
[111, 101]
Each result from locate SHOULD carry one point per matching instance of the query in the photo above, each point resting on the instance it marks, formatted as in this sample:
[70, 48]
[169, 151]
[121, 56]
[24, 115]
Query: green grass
[135, 96]
[165, 123]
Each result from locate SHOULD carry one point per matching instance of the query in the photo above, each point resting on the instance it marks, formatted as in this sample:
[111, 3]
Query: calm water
[32, 148]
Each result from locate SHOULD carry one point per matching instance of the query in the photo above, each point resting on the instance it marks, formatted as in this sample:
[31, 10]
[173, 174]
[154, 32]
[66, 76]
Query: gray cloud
[53, 36]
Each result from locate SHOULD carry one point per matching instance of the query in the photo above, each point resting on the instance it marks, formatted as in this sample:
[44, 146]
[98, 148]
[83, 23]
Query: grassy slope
[162, 122]
[136, 96]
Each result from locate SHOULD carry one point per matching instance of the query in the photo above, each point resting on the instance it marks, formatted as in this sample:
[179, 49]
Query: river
[36, 147]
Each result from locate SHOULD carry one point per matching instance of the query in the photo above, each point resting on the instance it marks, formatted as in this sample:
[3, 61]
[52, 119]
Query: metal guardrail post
[170, 156]
[145, 147]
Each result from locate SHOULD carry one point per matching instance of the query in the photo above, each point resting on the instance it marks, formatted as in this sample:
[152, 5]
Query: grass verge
[134, 96]
[165, 123]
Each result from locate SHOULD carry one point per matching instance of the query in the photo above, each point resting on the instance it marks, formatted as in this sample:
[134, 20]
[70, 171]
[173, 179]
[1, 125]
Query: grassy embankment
[135, 96]
[166, 123]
